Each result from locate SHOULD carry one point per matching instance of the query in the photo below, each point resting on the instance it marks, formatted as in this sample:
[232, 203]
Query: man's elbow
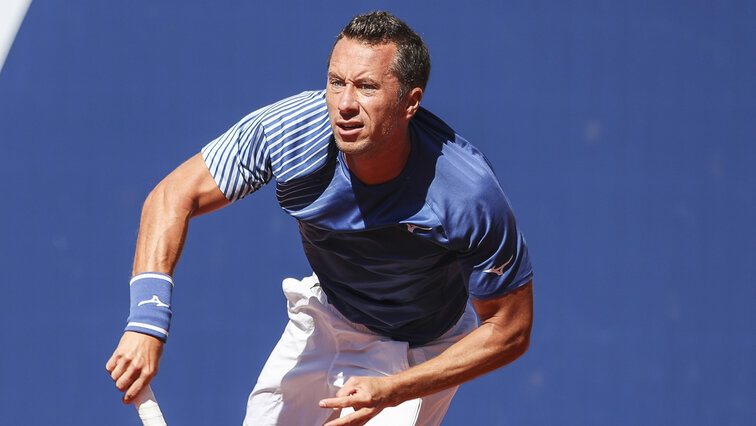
[519, 344]
[169, 195]
[515, 342]
[523, 344]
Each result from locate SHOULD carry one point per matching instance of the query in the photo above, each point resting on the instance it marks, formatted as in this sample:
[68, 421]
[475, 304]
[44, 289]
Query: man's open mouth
[350, 126]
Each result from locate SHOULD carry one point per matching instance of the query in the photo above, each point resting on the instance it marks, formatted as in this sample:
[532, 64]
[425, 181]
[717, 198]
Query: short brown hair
[412, 61]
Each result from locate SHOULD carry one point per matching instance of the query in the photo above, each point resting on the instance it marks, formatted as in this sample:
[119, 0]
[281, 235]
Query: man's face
[362, 98]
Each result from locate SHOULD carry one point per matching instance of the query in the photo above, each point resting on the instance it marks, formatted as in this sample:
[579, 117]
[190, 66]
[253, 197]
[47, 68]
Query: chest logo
[411, 227]
[499, 270]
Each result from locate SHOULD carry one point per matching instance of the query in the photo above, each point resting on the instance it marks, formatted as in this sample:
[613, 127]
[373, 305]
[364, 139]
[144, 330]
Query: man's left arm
[503, 335]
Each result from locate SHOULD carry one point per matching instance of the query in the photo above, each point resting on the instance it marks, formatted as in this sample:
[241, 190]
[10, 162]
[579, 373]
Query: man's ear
[413, 101]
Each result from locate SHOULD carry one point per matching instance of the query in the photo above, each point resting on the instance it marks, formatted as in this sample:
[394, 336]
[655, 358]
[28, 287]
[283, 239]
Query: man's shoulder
[297, 133]
[463, 185]
[431, 126]
[305, 107]
[458, 163]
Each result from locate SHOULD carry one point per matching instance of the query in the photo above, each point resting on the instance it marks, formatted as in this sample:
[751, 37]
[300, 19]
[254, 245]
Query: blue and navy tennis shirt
[400, 257]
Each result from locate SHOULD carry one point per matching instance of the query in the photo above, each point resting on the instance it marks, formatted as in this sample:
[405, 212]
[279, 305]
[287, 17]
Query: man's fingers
[124, 370]
[349, 398]
[117, 363]
[134, 390]
[111, 364]
[337, 402]
[117, 371]
[127, 378]
[346, 390]
[127, 372]
[134, 363]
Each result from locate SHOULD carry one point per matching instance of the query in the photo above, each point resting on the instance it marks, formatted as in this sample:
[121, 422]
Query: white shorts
[320, 349]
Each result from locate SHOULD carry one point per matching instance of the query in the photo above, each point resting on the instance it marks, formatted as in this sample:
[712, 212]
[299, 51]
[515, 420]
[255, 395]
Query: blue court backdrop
[623, 133]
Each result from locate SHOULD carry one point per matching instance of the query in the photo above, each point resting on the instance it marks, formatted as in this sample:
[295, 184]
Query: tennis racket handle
[148, 408]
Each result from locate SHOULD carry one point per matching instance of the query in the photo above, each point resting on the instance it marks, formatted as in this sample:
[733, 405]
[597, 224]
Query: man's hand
[367, 395]
[134, 363]
[504, 335]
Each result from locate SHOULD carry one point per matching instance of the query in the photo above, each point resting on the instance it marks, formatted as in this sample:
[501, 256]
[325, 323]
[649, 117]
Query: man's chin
[355, 147]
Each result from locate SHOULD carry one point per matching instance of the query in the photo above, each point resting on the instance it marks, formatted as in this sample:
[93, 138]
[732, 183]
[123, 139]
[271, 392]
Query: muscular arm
[504, 335]
[186, 192]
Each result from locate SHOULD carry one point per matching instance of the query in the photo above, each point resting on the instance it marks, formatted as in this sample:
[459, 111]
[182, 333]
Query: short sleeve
[238, 160]
[496, 260]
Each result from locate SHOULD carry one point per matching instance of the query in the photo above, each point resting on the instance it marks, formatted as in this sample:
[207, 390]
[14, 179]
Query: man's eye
[367, 87]
[337, 83]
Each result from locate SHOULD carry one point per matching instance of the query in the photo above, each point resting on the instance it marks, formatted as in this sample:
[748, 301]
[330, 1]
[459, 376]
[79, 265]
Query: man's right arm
[186, 192]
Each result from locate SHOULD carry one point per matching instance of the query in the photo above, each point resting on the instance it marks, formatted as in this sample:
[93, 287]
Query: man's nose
[348, 101]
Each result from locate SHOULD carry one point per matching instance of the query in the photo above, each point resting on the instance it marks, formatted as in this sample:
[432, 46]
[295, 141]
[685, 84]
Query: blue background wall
[623, 133]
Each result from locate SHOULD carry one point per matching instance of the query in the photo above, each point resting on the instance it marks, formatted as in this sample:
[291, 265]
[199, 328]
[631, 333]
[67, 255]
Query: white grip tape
[148, 408]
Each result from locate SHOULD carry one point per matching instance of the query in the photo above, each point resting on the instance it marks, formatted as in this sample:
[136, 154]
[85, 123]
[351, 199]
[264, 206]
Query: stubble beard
[357, 148]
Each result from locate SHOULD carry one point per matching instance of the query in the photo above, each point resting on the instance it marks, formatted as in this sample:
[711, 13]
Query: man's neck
[373, 168]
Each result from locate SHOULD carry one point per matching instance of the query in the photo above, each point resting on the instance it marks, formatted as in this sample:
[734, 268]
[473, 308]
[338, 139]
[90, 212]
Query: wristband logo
[154, 300]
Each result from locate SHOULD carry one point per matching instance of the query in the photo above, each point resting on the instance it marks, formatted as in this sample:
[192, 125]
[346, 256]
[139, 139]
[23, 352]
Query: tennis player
[407, 230]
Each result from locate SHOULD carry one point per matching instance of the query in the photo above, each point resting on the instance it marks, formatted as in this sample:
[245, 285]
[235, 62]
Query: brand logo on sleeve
[154, 300]
[499, 270]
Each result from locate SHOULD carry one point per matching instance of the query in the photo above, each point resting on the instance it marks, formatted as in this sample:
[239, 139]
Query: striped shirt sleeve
[247, 156]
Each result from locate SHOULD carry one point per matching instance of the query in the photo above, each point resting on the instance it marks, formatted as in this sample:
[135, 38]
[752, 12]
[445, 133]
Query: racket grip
[148, 408]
